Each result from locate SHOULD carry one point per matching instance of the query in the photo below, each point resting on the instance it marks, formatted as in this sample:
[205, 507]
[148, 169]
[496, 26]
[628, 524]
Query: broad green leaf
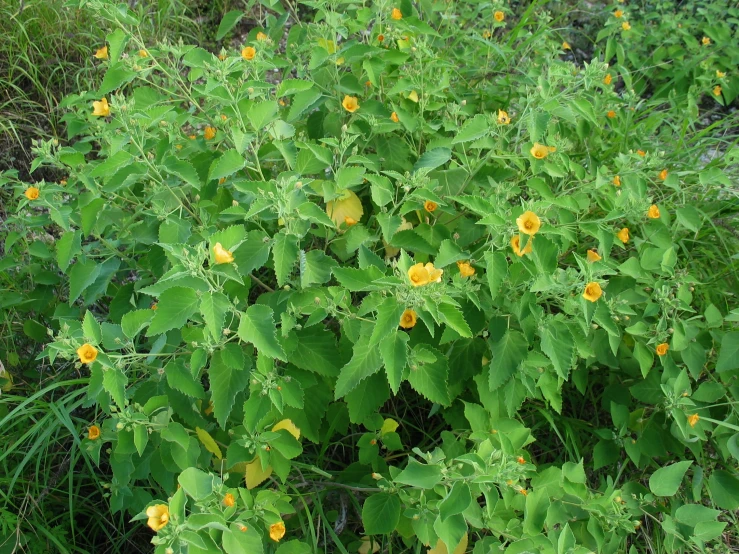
[252, 253]
[182, 169]
[262, 113]
[116, 76]
[213, 307]
[496, 271]
[388, 318]
[228, 22]
[91, 328]
[209, 443]
[535, 512]
[557, 343]
[381, 514]
[473, 129]
[236, 541]
[285, 254]
[356, 280]
[453, 317]
[258, 327]
[196, 483]
[228, 164]
[365, 361]
[291, 86]
[81, 276]
[456, 501]
[449, 253]
[180, 379]
[394, 352]
[67, 247]
[315, 268]
[724, 487]
[174, 308]
[225, 383]
[367, 397]
[134, 321]
[433, 158]
[316, 351]
[114, 383]
[430, 379]
[416, 474]
[728, 357]
[666, 480]
[693, 514]
[507, 355]
[117, 42]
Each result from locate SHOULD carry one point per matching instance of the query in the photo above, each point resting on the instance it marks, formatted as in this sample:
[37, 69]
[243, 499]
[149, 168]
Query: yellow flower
[394, 117]
[347, 206]
[413, 96]
[248, 53]
[101, 109]
[340, 60]
[158, 516]
[192, 137]
[350, 103]
[93, 432]
[102, 53]
[607, 79]
[642, 153]
[539, 151]
[528, 223]
[499, 16]
[503, 118]
[653, 212]
[261, 36]
[662, 349]
[618, 13]
[209, 132]
[593, 256]
[717, 90]
[524, 492]
[486, 34]
[617, 181]
[222, 255]
[434, 274]
[31, 193]
[380, 37]
[611, 114]
[693, 419]
[277, 531]
[419, 275]
[623, 235]
[408, 319]
[348, 221]
[516, 245]
[626, 26]
[706, 41]
[143, 53]
[566, 46]
[430, 206]
[663, 174]
[465, 269]
[592, 292]
[396, 14]
[229, 500]
[720, 74]
[87, 353]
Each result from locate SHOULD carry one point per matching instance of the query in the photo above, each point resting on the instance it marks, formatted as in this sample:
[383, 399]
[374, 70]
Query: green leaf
[252, 253]
[291, 86]
[456, 502]
[693, 514]
[228, 22]
[430, 379]
[67, 247]
[315, 267]
[213, 307]
[117, 41]
[496, 271]
[365, 361]
[381, 514]
[133, 322]
[356, 280]
[285, 254]
[349, 176]
[116, 76]
[394, 352]
[236, 541]
[225, 383]
[724, 488]
[182, 169]
[316, 351]
[258, 327]
[262, 113]
[196, 483]
[449, 253]
[433, 158]
[174, 308]
[507, 355]
[81, 276]
[114, 383]
[452, 316]
[228, 164]
[91, 328]
[388, 318]
[416, 474]
[728, 358]
[557, 343]
[535, 511]
[367, 397]
[666, 480]
[473, 129]
[180, 379]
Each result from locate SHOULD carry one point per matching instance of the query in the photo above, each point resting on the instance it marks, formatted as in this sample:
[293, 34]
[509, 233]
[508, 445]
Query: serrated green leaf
[365, 361]
[559, 346]
[430, 379]
[507, 355]
[453, 317]
[388, 318]
[291, 86]
[180, 379]
[225, 383]
[258, 327]
[114, 383]
[134, 321]
[433, 158]
[213, 307]
[367, 397]
[449, 253]
[285, 254]
[262, 113]
[356, 280]
[81, 276]
[228, 164]
[67, 247]
[316, 351]
[496, 271]
[174, 308]
[91, 328]
[315, 267]
[473, 129]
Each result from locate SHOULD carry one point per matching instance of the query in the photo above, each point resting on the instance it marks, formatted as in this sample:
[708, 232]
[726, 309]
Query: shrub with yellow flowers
[462, 308]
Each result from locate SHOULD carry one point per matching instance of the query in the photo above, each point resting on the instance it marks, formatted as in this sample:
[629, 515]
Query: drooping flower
[248, 53]
[101, 108]
[347, 205]
[158, 516]
[277, 531]
[626, 26]
[539, 151]
[566, 46]
[706, 41]
[663, 174]
[261, 36]
[408, 319]
[209, 132]
[592, 292]
[653, 212]
[143, 53]
[623, 235]
[617, 181]
[87, 353]
[340, 61]
[229, 500]
[516, 246]
[221, 255]
[31, 193]
[102, 53]
[503, 118]
[607, 79]
[593, 256]
[499, 16]
[413, 96]
[717, 90]
[465, 269]
[396, 14]
[394, 117]
[434, 274]
[693, 419]
[430, 206]
[611, 114]
[93, 432]
[528, 223]
[662, 349]
[350, 103]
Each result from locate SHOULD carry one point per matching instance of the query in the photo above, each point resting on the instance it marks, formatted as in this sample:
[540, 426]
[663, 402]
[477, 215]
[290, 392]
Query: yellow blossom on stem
[593, 256]
[653, 212]
[720, 74]
[465, 269]
[408, 319]
[87, 353]
[693, 419]
[221, 255]
[277, 531]
[717, 90]
[566, 46]
[102, 53]
[623, 235]
[394, 117]
[528, 223]
[101, 108]
[626, 26]
[350, 103]
[706, 41]
[662, 349]
[248, 53]
[611, 114]
[143, 53]
[229, 500]
[607, 79]
[158, 516]
[592, 292]
[209, 132]
[430, 206]
[31, 193]
[516, 246]
[93, 432]
[618, 14]
[617, 181]
[539, 151]
[503, 118]
[396, 14]
[499, 16]
[663, 174]
[434, 274]
[261, 36]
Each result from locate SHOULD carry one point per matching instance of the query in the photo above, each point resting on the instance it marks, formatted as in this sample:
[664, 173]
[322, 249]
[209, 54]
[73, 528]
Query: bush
[434, 286]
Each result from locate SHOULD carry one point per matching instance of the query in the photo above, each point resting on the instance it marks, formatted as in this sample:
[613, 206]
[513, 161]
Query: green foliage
[251, 275]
